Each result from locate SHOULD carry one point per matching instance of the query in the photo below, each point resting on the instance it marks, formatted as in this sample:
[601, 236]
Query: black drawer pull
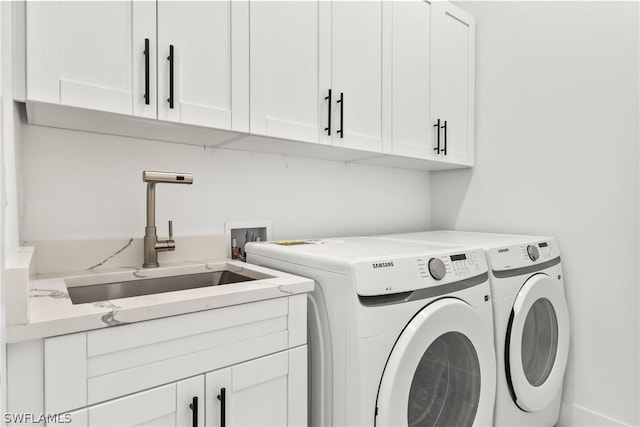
[444, 151]
[328, 128]
[146, 71]
[223, 404]
[194, 407]
[437, 126]
[170, 58]
[341, 102]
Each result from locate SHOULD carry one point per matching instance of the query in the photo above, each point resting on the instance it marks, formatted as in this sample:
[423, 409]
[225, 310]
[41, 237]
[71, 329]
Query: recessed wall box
[242, 232]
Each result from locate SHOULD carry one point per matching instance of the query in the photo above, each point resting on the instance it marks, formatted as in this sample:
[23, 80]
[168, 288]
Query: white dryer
[399, 334]
[531, 321]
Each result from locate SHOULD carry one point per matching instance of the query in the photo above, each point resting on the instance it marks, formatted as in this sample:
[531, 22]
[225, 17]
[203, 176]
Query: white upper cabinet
[316, 72]
[433, 82]
[104, 56]
[284, 46]
[83, 53]
[412, 130]
[453, 93]
[389, 80]
[194, 62]
[356, 74]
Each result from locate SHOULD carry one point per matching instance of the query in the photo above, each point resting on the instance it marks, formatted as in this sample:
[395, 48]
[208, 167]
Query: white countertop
[52, 312]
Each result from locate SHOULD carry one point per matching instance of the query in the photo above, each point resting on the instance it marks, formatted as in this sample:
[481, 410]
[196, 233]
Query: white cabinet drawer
[91, 367]
[167, 405]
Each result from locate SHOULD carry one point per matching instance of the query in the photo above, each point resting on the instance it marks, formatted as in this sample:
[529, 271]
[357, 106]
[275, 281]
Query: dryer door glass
[445, 389]
[539, 342]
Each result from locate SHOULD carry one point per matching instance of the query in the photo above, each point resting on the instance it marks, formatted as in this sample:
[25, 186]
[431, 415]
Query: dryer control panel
[409, 273]
[457, 265]
[523, 255]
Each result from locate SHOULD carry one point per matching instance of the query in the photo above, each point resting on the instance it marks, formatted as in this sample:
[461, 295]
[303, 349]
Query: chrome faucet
[151, 243]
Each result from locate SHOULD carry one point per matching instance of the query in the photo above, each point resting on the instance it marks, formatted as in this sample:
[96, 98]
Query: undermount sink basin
[89, 289]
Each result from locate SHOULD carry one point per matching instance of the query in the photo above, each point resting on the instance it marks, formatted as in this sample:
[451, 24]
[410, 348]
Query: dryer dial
[437, 269]
[533, 252]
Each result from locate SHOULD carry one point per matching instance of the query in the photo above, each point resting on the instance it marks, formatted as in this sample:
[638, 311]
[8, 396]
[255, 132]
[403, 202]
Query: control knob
[437, 269]
[533, 252]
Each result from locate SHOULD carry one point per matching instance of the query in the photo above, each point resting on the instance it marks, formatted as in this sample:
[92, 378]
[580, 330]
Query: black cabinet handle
[437, 126]
[328, 128]
[223, 404]
[341, 102]
[194, 407]
[146, 71]
[444, 151]
[170, 58]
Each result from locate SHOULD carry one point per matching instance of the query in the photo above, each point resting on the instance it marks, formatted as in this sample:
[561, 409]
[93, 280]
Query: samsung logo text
[382, 264]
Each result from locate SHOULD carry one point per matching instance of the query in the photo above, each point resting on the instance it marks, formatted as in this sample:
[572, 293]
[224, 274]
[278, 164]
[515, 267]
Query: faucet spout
[151, 243]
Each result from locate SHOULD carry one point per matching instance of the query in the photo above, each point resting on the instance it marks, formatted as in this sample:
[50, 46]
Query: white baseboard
[572, 415]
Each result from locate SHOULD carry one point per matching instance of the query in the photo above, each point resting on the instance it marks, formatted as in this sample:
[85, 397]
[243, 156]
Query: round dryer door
[441, 371]
[537, 343]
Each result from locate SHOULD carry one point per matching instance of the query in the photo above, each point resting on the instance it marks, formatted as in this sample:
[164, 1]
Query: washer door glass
[445, 390]
[539, 342]
[441, 370]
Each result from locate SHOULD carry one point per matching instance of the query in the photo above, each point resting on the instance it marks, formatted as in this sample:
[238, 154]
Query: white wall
[3, 367]
[9, 153]
[9, 163]
[81, 185]
[557, 113]
[10, 138]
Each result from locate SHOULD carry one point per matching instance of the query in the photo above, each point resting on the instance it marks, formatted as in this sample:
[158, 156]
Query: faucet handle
[170, 229]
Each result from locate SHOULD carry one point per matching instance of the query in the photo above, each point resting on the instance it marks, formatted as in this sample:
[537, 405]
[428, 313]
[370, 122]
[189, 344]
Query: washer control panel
[437, 268]
[533, 252]
[453, 266]
[411, 272]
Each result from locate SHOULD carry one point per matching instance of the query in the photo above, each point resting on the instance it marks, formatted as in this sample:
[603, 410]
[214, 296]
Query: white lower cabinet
[242, 365]
[269, 391]
[168, 405]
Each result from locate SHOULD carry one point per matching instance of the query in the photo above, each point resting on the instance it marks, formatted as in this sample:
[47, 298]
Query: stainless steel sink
[132, 287]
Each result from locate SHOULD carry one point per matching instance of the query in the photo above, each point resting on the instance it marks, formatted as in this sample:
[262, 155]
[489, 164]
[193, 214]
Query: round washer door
[441, 371]
[538, 343]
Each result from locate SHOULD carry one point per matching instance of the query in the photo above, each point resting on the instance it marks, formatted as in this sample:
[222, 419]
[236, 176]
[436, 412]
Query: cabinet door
[284, 46]
[91, 54]
[356, 72]
[270, 391]
[195, 85]
[218, 391]
[412, 131]
[454, 64]
[169, 405]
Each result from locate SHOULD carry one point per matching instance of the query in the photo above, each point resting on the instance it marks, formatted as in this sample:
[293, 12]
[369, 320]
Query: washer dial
[437, 269]
[533, 252]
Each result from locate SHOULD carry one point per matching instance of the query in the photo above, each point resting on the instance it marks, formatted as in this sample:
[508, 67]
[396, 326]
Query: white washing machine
[531, 321]
[399, 333]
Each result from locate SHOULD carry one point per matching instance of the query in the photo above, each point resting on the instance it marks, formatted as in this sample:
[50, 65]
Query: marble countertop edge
[52, 312]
